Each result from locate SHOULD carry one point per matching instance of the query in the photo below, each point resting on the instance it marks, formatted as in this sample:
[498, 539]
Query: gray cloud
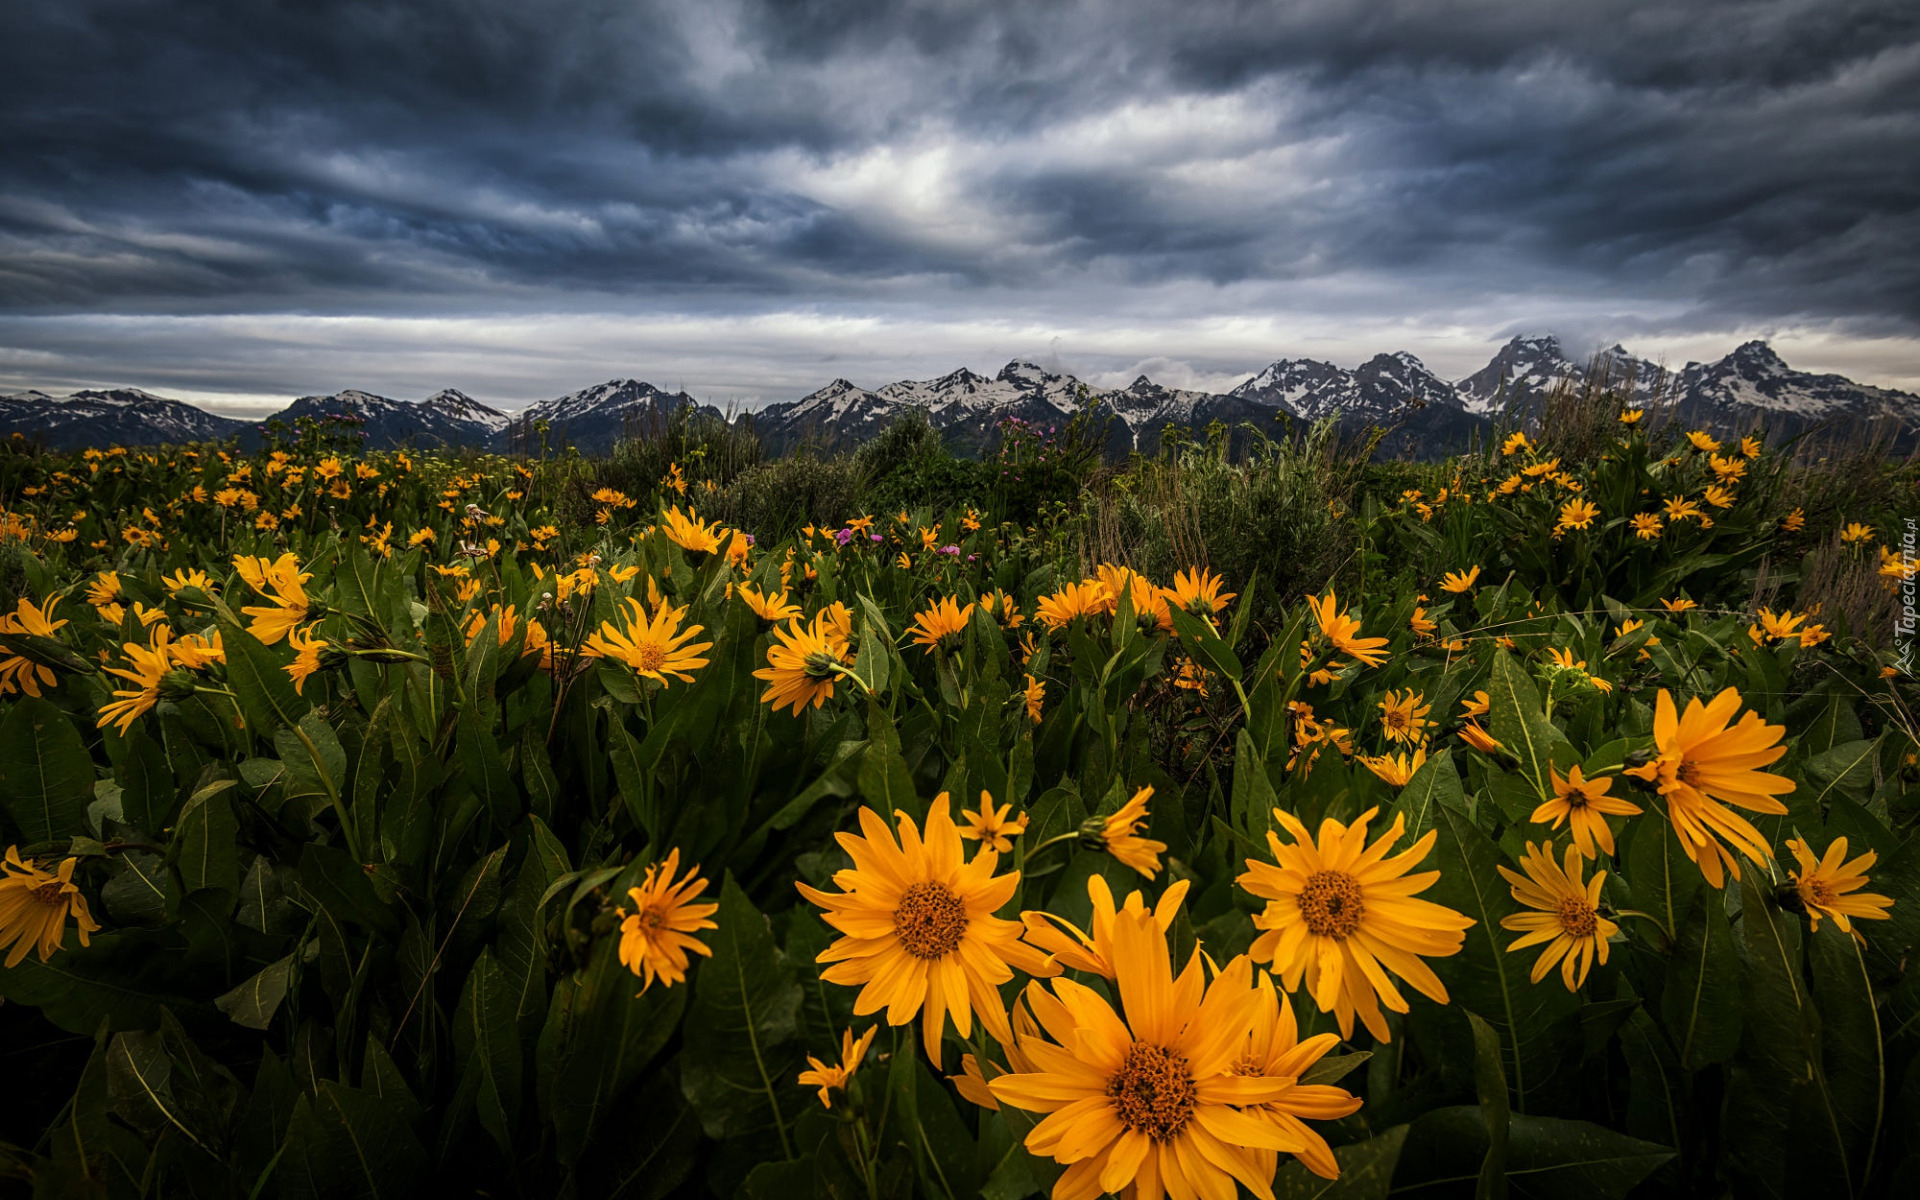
[1431, 173]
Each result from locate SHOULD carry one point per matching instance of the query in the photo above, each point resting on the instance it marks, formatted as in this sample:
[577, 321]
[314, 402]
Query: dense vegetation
[684, 823]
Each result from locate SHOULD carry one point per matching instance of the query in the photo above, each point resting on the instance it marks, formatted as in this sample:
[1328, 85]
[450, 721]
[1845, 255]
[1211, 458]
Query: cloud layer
[503, 194]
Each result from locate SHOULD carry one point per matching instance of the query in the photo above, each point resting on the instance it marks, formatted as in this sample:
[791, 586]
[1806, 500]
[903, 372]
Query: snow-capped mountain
[447, 418]
[596, 417]
[1753, 385]
[1527, 367]
[115, 416]
[1394, 390]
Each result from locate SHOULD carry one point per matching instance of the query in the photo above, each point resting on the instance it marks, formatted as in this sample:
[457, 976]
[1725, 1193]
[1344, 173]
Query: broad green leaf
[1700, 1004]
[46, 775]
[1663, 878]
[254, 1002]
[1852, 1058]
[346, 1142]
[260, 681]
[204, 839]
[1437, 782]
[1490, 1082]
[884, 779]
[486, 1038]
[1847, 768]
[1519, 722]
[1366, 1171]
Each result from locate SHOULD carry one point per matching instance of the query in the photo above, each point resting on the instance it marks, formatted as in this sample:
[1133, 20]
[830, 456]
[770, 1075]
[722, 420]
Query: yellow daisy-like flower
[1479, 739]
[284, 583]
[775, 607]
[1729, 469]
[1515, 443]
[687, 531]
[1073, 600]
[1794, 521]
[1830, 886]
[1701, 764]
[1479, 706]
[306, 660]
[655, 647]
[1396, 769]
[1780, 627]
[831, 1079]
[940, 625]
[1125, 581]
[1002, 608]
[1646, 526]
[1197, 591]
[1631, 416]
[1343, 631]
[1092, 950]
[1718, 496]
[1854, 532]
[1577, 514]
[1340, 915]
[1119, 835]
[1420, 625]
[1035, 694]
[1703, 443]
[1142, 1103]
[1460, 582]
[1678, 606]
[657, 934]
[1566, 916]
[18, 671]
[104, 590]
[1274, 1051]
[188, 577]
[801, 664]
[991, 826]
[1584, 803]
[1679, 508]
[148, 667]
[920, 937]
[1403, 718]
[35, 906]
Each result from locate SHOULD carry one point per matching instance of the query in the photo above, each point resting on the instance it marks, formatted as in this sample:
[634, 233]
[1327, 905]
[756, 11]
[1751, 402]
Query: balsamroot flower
[1274, 1051]
[654, 647]
[1340, 915]
[35, 905]
[1119, 835]
[1701, 765]
[1566, 914]
[920, 938]
[1084, 951]
[989, 825]
[941, 625]
[657, 934]
[835, 1078]
[801, 663]
[1586, 804]
[1343, 631]
[1830, 886]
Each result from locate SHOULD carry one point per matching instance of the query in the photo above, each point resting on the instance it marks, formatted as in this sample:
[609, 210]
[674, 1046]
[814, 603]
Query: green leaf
[141, 890]
[478, 749]
[1334, 1067]
[1519, 722]
[264, 688]
[1490, 1082]
[205, 840]
[1663, 878]
[1538, 1023]
[1850, 1044]
[147, 791]
[884, 779]
[1847, 768]
[1437, 782]
[343, 1142]
[1701, 1002]
[1204, 645]
[254, 1002]
[46, 774]
[1656, 1089]
[742, 1025]
[486, 1038]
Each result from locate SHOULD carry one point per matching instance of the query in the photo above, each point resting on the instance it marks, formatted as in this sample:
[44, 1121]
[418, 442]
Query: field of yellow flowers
[385, 824]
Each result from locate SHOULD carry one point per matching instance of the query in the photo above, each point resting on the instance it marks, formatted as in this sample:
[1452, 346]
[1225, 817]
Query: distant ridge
[1751, 386]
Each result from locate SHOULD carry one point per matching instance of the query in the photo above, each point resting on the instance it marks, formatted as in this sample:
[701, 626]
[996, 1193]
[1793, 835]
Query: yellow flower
[1479, 706]
[940, 625]
[306, 658]
[775, 607]
[1036, 692]
[655, 647]
[104, 590]
[1073, 600]
[285, 582]
[991, 826]
[1421, 626]
[1780, 627]
[1856, 532]
[1274, 1051]
[919, 932]
[1794, 521]
[1479, 739]
[687, 531]
[1343, 631]
[420, 537]
[1460, 582]
[149, 665]
[1395, 769]
[1701, 764]
[35, 905]
[1586, 804]
[1143, 1102]
[1646, 526]
[831, 1079]
[1719, 497]
[800, 664]
[1515, 443]
[1679, 606]
[1824, 883]
[1679, 508]
[1340, 915]
[186, 578]
[1566, 914]
[1631, 416]
[1092, 951]
[1119, 835]
[656, 936]
[1001, 607]
[1730, 470]
[1577, 514]
[1703, 443]
[1197, 591]
[17, 671]
[1403, 718]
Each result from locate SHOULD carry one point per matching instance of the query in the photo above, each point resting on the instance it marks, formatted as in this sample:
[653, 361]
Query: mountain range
[1427, 415]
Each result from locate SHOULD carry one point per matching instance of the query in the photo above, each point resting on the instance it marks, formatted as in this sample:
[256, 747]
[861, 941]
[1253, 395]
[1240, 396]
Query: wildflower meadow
[1540, 822]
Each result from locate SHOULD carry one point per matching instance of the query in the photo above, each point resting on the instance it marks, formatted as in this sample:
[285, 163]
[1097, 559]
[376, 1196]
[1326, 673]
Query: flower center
[930, 921]
[1688, 773]
[1332, 904]
[650, 656]
[1820, 892]
[1576, 916]
[1153, 1091]
[50, 894]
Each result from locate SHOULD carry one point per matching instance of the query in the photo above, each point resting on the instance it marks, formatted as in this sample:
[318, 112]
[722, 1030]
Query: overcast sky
[238, 203]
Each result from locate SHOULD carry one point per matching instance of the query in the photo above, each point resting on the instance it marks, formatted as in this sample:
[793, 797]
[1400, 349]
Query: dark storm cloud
[1721, 163]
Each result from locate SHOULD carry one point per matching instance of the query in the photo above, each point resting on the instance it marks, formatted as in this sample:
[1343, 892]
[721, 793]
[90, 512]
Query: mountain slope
[447, 419]
[115, 416]
[596, 417]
